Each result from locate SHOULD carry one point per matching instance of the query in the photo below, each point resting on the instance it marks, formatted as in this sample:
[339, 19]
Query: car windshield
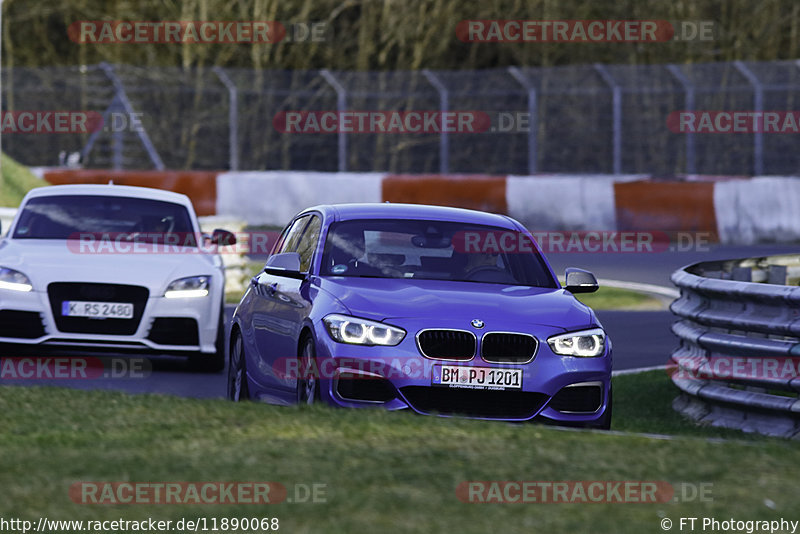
[433, 250]
[73, 216]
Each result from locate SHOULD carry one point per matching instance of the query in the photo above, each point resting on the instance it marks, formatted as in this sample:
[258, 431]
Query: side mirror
[284, 264]
[223, 238]
[580, 281]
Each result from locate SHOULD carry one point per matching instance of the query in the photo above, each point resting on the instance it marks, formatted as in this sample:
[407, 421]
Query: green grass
[15, 181]
[612, 298]
[643, 403]
[385, 472]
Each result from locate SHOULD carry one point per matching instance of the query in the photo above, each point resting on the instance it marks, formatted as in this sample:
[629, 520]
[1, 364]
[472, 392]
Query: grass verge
[613, 298]
[386, 472]
[15, 181]
[643, 403]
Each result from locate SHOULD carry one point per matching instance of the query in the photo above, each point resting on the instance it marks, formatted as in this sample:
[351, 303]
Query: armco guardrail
[738, 363]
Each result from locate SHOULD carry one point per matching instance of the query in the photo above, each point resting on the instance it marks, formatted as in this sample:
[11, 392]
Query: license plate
[458, 376]
[97, 310]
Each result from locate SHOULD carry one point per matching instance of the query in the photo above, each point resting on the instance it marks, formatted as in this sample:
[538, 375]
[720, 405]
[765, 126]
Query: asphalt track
[640, 338]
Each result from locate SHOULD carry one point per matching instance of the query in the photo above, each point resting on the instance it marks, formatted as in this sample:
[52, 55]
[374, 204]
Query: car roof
[386, 210]
[109, 190]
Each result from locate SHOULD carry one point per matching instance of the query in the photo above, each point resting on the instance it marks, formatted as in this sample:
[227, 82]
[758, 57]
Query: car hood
[384, 299]
[45, 261]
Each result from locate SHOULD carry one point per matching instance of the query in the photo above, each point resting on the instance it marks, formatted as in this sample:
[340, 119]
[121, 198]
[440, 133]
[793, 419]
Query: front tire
[237, 371]
[308, 379]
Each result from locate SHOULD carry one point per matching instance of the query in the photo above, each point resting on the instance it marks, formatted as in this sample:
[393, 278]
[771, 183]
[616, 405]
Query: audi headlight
[346, 329]
[584, 344]
[14, 280]
[193, 286]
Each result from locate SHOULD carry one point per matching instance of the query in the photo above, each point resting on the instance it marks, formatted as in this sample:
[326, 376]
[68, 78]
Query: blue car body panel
[277, 312]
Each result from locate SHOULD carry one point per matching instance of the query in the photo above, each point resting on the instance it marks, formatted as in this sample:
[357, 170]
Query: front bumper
[202, 311]
[558, 389]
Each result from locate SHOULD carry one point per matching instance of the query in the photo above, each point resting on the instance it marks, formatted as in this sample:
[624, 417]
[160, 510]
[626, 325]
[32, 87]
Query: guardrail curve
[738, 362]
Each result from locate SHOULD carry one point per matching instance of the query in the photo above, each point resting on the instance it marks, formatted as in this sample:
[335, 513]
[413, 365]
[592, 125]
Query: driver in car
[478, 260]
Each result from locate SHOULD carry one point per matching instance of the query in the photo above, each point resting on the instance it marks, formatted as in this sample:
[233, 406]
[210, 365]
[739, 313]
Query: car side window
[291, 237]
[308, 243]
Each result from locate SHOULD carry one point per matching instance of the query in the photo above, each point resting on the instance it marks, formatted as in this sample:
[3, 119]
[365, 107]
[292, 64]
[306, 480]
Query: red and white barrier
[735, 209]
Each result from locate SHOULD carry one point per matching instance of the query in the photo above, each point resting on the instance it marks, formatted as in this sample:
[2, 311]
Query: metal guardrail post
[444, 103]
[87, 148]
[688, 88]
[126, 105]
[233, 118]
[616, 95]
[341, 105]
[758, 106]
[533, 118]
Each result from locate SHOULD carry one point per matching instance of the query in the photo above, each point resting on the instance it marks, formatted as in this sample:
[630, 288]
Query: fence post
[126, 105]
[616, 94]
[233, 118]
[117, 147]
[444, 103]
[341, 104]
[533, 118]
[758, 106]
[688, 88]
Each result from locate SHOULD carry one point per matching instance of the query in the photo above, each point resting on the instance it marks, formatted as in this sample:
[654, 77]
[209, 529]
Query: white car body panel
[46, 261]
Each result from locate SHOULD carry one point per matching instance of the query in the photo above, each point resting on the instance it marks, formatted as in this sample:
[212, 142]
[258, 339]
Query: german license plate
[97, 310]
[459, 376]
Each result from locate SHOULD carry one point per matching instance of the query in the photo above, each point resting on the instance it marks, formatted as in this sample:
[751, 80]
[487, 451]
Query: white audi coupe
[112, 268]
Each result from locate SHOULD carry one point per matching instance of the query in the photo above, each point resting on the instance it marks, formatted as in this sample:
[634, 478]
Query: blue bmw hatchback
[438, 310]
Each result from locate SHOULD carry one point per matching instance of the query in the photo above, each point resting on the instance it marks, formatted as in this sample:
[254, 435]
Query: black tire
[212, 362]
[237, 371]
[308, 375]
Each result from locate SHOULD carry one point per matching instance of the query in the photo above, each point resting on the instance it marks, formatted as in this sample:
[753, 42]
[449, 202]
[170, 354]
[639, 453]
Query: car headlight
[346, 329]
[193, 286]
[14, 280]
[584, 344]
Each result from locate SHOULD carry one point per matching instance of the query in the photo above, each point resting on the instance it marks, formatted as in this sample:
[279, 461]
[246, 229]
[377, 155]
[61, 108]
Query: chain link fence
[569, 119]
